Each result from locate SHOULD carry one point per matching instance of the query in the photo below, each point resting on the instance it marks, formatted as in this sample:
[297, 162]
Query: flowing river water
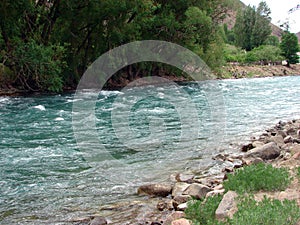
[46, 178]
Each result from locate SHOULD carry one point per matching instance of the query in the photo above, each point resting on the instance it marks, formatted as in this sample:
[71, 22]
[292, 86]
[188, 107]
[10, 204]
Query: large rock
[181, 222]
[227, 206]
[187, 178]
[197, 190]
[265, 152]
[179, 188]
[278, 139]
[157, 190]
[98, 220]
[173, 216]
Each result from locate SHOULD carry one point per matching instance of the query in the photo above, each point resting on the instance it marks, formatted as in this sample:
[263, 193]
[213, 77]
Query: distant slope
[232, 13]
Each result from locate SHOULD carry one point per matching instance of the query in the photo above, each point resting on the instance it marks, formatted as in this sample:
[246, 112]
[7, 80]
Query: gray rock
[181, 222]
[257, 144]
[278, 139]
[157, 190]
[265, 152]
[187, 178]
[282, 133]
[288, 139]
[173, 216]
[182, 207]
[227, 206]
[179, 188]
[98, 220]
[179, 199]
[197, 190]
[251, 160]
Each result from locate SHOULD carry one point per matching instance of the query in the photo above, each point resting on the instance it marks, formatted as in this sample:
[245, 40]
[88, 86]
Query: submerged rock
[156, 190]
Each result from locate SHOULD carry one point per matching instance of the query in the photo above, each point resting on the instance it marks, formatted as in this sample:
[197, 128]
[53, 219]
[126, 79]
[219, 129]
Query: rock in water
[227, 206]
[265, 152]
[156, 190]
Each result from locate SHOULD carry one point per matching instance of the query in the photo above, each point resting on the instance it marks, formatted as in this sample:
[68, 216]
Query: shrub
[267, 211]
[203, 212]
[258, 177]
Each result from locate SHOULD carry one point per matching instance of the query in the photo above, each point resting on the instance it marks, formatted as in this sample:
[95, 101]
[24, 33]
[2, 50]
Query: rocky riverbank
[230, 71]
[250, 71]
[164, 204]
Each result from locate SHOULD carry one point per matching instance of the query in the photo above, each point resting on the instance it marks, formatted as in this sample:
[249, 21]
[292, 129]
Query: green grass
[267, 211]
[203, 212]
[258, 177]
[298, 171]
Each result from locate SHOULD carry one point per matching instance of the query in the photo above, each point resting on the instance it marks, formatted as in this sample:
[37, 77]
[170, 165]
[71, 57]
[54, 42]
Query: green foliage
[252, 26]
[234, 54]
[272, 40]
[264, 53]
[289, 46]
[38, 66]
[203, 212]
[258, 177]
[267, 211]
[298, 171]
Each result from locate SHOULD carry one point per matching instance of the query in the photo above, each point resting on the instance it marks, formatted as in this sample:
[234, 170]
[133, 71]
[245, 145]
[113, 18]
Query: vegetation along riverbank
[257, 185]
[43, 48]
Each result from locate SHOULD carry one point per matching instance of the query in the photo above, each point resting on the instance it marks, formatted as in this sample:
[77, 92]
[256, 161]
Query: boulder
[156, 190]
[187, 178]
[197, 190]
[227, 206]
[98, 220]
[173, 216]
[278, 139]
[179, 188]
[257, 144]
[181, 222]
[179, 199]
[251, 160]
[265, 152]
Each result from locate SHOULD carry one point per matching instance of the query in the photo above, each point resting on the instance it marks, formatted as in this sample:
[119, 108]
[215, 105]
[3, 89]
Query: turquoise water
[45, 177]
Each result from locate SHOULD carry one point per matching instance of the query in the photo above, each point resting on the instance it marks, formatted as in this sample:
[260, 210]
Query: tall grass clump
[258, 177]
[268, 211]
[203, 212]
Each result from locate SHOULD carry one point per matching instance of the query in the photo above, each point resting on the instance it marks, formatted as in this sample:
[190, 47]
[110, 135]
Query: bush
[203, 212]
[264, 53]
[258, 177]
[39, 67]
[267, 211]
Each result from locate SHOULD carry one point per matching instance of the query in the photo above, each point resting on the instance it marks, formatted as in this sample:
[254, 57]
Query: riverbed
[46, 176]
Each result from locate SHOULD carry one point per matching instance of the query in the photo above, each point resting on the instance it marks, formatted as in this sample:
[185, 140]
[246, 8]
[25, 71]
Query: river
[148, 132]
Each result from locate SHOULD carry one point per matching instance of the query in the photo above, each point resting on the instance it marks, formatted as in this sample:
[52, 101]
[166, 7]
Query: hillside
[232, 13]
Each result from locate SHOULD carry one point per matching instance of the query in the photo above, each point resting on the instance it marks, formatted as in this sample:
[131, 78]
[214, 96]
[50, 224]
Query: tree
[252, 26]
[243, 28]
[261, 29]
[289, 46]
